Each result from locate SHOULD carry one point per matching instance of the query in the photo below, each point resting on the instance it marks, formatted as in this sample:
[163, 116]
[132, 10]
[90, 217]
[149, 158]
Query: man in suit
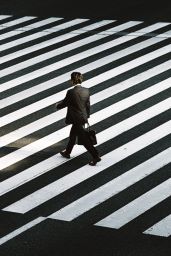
[77, 101]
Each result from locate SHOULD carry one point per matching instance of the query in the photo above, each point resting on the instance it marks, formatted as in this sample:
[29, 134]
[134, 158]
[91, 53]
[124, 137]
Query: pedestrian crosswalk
[126, 66]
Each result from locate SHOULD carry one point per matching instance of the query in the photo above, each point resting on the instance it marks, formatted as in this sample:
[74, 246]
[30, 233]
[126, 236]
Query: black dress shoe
[94, 161]
[64, 154]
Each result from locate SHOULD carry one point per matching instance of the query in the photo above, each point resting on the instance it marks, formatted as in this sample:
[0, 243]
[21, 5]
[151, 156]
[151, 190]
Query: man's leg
[87, 142]
[78, 130]
[72, 139]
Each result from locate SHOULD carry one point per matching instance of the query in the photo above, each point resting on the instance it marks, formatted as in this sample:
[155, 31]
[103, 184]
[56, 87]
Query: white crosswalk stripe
[48, 192]
[162, 228]
[2, 17]
[61, 134]
[15, 22]
[21, 230]
[108, 190]
[45, 121]
[52, 162]
[138, 206]
[70, 60]
[127, 69]
[94, 81]
[105, 60]
[28, 27]
[64, 49]
[47, 42]
[59, 65]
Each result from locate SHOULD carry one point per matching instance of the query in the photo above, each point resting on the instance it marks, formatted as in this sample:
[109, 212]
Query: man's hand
[56, 105]
[63, 103]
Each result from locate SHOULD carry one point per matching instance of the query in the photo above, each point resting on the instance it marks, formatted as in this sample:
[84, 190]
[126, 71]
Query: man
[77, 101]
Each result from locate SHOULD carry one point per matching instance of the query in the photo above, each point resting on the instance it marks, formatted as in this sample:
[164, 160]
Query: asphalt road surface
[114, 9]
[64, 207]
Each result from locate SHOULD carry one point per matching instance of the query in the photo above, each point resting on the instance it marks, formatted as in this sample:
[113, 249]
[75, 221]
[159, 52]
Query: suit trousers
[78, 130]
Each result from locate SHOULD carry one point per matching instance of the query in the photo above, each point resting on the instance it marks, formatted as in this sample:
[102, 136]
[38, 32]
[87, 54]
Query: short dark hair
[76, 78]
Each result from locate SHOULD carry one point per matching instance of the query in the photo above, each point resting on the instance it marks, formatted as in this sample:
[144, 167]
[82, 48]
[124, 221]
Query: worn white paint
[137, 207]
[162, 228]
[48, 192]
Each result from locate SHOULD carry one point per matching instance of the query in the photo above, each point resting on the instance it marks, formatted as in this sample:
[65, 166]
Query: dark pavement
[112, 9]
[54, 238]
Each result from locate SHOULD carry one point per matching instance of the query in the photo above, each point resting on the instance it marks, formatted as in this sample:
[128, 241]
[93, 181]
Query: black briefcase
[91, 134]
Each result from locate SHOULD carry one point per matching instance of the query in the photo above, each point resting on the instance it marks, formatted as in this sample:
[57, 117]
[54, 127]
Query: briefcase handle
[88, 126]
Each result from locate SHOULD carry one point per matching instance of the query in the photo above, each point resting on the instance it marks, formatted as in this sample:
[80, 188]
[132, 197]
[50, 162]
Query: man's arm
[88, 106]
[64, 102]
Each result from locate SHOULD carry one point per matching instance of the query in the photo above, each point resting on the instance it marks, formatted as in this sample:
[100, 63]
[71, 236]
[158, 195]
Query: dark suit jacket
[77, 101]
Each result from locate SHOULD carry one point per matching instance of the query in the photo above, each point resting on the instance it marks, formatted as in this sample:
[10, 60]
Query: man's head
[76, 78]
